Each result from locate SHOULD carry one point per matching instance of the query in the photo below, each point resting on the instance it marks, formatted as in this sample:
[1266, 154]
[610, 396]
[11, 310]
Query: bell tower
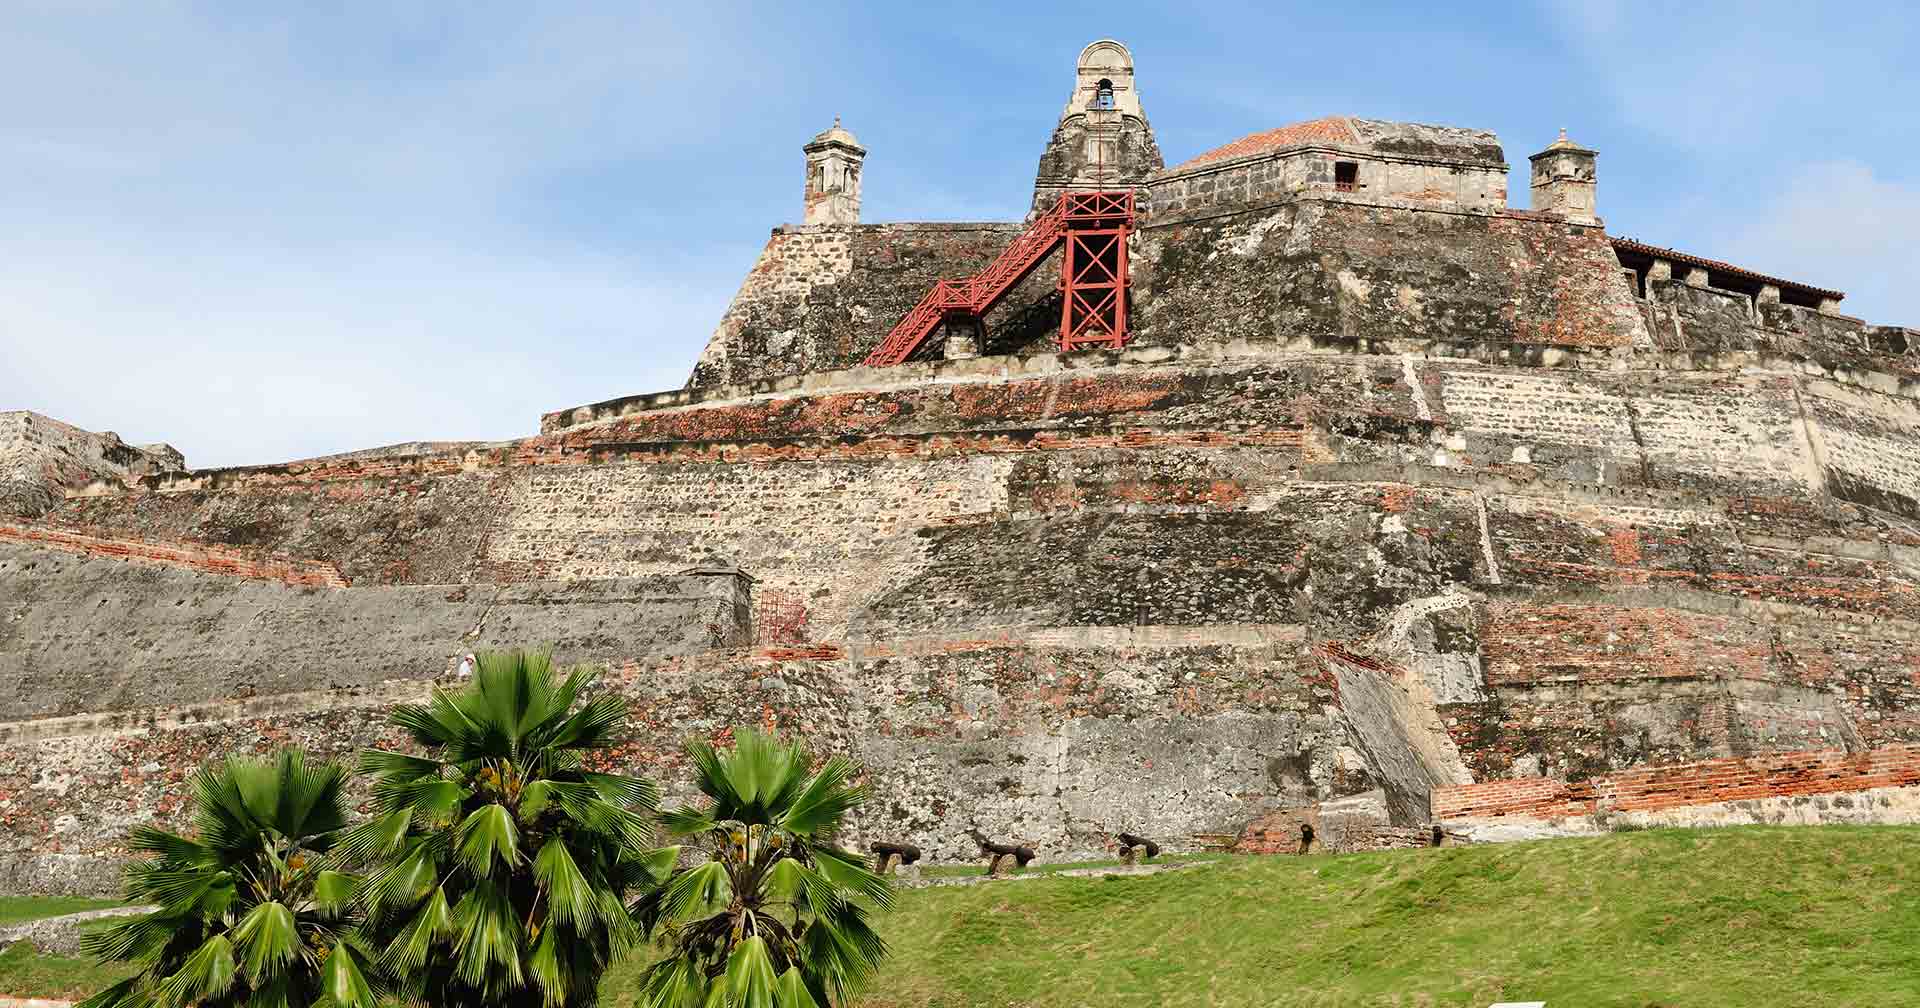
[1103, 140]
[834, 158]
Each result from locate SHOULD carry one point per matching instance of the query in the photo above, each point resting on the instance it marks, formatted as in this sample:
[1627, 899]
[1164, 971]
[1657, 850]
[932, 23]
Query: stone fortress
[1401, 509]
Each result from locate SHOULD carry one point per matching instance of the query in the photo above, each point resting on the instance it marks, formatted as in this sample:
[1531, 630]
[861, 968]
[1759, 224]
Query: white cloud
[1838, 224]
[281, 232]
[235, 360]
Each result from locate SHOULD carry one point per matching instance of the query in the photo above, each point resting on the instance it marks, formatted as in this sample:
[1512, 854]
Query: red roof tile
[1332, 129]
[1674, 255]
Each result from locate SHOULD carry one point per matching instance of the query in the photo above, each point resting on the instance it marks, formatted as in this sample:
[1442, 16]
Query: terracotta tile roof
[1332, 129]
[1672, 255]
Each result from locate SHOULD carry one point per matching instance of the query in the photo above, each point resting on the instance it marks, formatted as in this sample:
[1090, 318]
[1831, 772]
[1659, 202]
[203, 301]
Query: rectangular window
[1346, 176]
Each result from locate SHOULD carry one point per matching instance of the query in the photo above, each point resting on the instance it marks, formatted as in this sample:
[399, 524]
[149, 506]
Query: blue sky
[268, 231]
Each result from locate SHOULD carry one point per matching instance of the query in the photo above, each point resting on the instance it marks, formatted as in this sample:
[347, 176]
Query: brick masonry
[1780, 775]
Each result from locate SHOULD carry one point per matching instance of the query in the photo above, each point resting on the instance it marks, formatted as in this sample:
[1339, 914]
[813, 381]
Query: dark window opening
[1438, 836]
[1346, 176]
[1306, 838]
[1103, 95]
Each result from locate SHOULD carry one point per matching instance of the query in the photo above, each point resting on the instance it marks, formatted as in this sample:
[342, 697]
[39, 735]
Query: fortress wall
[1333, 272]
[40, 458]
[1057, 741]
[1667, 788]
[1053, 605]
[185, 556]
[409, 529]
[821, 297]
[85, 634]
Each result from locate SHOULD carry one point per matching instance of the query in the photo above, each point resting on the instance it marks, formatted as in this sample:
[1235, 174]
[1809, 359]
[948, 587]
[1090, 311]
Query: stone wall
[1271, 177]
[202, 557]
[1165, 590]
[823, 297]
[85, 635]
[1850, 783]
[41, 459]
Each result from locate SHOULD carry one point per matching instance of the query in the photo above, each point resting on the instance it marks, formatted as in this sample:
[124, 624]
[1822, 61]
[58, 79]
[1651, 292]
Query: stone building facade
[1404, 509]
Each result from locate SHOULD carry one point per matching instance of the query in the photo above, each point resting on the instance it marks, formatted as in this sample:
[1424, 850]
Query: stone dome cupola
[834, 159]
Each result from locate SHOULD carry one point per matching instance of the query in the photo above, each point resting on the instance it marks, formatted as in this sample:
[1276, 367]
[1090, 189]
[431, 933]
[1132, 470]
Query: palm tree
[249, 914]
[500, 864]
[775, 914]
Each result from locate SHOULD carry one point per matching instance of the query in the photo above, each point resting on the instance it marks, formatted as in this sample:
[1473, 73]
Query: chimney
[1563, 181]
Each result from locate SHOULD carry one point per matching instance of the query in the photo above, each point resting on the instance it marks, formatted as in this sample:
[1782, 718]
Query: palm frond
[489, 936]
[570, 897]
[132, 992]
[710, 776]
[306, 795]
[344, 978]
[334, 892]
[432, 920]
[135, 938]
[176, 890]
[267, 939]
[548, 972]
[632, 792]
[206, 975]
[790, 880]
[688, 821]
[403, 879]
[486, 835]
[392, 766]
[170, 849]
[817, 808]
[849, 871]
[790, 990]
[695, 892]
[843, 952]
[750, 981]
[378, 837]
[599, 724]
[658, 863]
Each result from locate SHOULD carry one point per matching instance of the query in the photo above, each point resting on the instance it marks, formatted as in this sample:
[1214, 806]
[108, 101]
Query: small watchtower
[834, 158]
[1563, 180]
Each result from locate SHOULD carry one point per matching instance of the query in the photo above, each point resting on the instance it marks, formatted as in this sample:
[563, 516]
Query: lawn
[1825, 916]
[20, 909]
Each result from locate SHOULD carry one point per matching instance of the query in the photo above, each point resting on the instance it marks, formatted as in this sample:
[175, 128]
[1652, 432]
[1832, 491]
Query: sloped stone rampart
[1661, 788]
[190, 636]
[199, 557]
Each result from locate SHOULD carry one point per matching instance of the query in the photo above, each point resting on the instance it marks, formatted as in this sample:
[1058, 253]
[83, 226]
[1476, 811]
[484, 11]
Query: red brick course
[1654, 788]
[204, 558]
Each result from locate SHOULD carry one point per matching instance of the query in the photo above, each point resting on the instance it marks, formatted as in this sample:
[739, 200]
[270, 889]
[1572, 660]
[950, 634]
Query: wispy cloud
[1841, 212]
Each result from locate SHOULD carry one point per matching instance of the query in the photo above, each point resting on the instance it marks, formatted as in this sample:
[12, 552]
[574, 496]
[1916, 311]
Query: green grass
[1825, 916]
[26, 973]
[968, 870]
[20, 909]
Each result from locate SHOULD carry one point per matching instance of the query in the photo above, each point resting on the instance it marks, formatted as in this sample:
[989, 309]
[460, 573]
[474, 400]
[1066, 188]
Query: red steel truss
[1093, 278]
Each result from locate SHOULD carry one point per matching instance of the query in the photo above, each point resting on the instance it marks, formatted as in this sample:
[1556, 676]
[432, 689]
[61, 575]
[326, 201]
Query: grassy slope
[1827, 916]
[1824, 916]
[19, 909]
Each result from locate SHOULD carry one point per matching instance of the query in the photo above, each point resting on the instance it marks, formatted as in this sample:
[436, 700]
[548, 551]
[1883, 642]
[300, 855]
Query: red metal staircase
[1093, 278]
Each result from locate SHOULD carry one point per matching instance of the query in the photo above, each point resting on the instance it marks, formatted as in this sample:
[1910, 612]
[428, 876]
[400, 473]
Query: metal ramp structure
[1093, 278]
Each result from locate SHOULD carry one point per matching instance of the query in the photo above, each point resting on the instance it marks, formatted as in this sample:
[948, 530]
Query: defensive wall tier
[1175, 588]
